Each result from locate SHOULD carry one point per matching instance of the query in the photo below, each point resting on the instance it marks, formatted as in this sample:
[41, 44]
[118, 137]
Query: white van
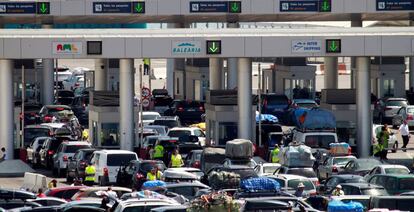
[315, 139]
[108, 161]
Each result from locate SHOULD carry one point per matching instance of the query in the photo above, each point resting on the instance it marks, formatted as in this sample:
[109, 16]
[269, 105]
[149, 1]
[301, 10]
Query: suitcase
[239, 149]
[339, 149]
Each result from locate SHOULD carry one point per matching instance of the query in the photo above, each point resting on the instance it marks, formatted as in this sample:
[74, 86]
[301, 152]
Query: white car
[148, 117]
[177, 132]
[107, 162]
[64, 152]
[144, 204]
[290, 182]
[265, 169]
[387, 169]
[392, 141]
[333, 165]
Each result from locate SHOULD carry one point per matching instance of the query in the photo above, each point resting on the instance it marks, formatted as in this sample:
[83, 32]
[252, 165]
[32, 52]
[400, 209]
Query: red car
[65, 193]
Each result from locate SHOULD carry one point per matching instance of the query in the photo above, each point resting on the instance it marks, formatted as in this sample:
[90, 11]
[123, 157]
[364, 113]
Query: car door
[323, 169]
[43, 151]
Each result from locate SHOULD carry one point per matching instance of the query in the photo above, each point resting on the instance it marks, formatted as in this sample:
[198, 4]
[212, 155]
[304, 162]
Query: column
[355, 23]
[363, 103]
[215, 68]
[6, 107]
[331, 73]
[101, 74]
[232, 65]
[48, 82]
[172, 64]
[244, 98]
[126, 103]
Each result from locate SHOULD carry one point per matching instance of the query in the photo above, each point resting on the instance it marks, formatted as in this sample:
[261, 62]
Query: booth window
[109, 134]
[228, 131]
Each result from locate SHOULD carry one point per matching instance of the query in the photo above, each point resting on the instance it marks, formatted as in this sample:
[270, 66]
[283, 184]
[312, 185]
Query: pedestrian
[154, 174]
[384, 136]
[405, 134]
[52, 184]
[147, 64]
[151, 152]
[111, 193]
[300, 190]
[378, 150]
[275, 154]
[40, 193]
[3, 155]
[90, 174]
[158, 151]
[338, 191]
[85, 134]
[176, 159]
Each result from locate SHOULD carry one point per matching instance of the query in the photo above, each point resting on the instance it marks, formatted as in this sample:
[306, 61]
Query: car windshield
[302, 172]
[168, 123]
[319, 141]
[294, 184]
[74, 148]
[197, 156]
[63, 77]
[143, 208]
[368, 164]
[396, 171]
[406, 184]
[179, 133]
[270, 169]
[277, 100]
[396, 103]
[374, 192]
[307, 105]
[120, 159]
[30, 133]
[149, 116]
[341, 161]
[146, 167]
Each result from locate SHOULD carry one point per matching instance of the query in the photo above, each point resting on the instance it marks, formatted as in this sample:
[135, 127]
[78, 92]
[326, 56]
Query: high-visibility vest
[158, 151]
[146, 61]
[90, 173]
[151, 176]
[275, 157]
[378, 148]
[176, 161]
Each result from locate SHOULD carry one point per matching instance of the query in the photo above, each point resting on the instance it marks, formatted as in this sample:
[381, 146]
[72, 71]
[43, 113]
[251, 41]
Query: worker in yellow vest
[158, 152]
[147, 64]
[176, 160]
[90, 174]
[154, 174]
[275, 154]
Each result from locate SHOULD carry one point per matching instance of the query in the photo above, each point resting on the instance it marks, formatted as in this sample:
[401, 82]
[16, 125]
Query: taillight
[139, 176]
[317, 183]
[334, 169]
[65, 158]
[180, 109]
[201, 108]
[196, 164]
[410, 117]
[289, 102]
[349, 150]
[77, 84]
[105, 171]
[50, 152]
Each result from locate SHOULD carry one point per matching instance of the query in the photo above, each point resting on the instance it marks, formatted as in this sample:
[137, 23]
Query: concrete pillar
[48, 82]
[172, 64]
[355, 23]
[215, 68]
[244, 98]
[232, 65]
[126, 103]
[101, 74]
[331, 72]
[363, 102]
[6, 107]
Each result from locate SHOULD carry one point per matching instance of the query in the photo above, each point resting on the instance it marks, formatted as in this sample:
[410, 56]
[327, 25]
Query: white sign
[67, 47]
[186, 47]
[306, 46]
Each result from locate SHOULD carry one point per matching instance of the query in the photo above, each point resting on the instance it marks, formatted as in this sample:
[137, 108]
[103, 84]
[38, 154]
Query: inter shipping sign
[306, 46]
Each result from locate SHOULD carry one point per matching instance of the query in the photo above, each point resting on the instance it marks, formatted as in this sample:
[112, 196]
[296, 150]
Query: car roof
[187, 184]
[235, 167]
[166, 118]
[37, 126]
[396, 175]
[87, 150]
[394, 99]
[183, 128]
[150, 113]
[75, 143]
[66, 188]
[184, 169]
[362, 185]
[41, 138]
[54, 125]
[104, 188]
[114, 151]
[290, 177]
[270, 164]
[139, 201]
[304, 101]
[349, 197]
[154, 126]
[391, 166]
[347, 176]
[57, 106]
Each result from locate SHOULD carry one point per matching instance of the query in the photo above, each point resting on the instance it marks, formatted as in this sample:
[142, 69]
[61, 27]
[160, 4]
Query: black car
[360, 166]
[78, 163]
[49, 149]
[135, 173]
[363, 189]
[80, 108]
[329, 184]
[277, 105]
[188, 111]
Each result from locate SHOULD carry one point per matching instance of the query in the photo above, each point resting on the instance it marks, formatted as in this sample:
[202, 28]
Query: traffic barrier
[32, 182]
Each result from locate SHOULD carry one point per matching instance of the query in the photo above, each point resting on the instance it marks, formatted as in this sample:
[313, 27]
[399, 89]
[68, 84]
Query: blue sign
[391, 5]
[112, 7]
[18, 8]
[209, 7]
[299, 6]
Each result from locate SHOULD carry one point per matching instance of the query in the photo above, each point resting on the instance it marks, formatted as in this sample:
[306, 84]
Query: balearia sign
[67, 47]
[186, 47]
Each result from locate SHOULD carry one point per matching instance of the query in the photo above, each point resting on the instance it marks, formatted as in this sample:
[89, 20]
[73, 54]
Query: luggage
[153, 183]
[338, 206]
[314, 119]
[224, 180]
[337, 149]
[267, 118]
[211, 157]
[239, 149]
[296, 156]
[259, 184]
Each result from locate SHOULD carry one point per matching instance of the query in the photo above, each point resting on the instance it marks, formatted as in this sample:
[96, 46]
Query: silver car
[64, 152]
[33, 150]
[333, 165]
[386, 108]
[405, 113]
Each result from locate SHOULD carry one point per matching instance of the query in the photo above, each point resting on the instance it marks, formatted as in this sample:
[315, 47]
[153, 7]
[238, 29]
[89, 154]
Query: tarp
[339, 206]
[259, 184]
[266, 118]
[314, 118]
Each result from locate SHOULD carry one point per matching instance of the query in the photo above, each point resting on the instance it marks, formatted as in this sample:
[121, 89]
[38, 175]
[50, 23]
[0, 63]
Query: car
[48, 149]
[144, 204]
[392, 141]
[161, 100]
[242, 162]
[161, 129]
[329, 184]
[333, 165]
[49, 201]
[49, 111]
[189, 112]
[8, 205]
[191, 170]
[395, 184]
[301, 171]
[64, 97]
[168, 121]
[360, 166]
[363, 189]
[304, 103]
[78, 163]
[193, 158]
[64, 151]
[80, 107]
[149, 140]
[290, 182]
[134, 174]
[265, 169]
[73, 82]
[179, 132]
[392, 202]
[63, 74]
[64, 192]
[277, 105]
[186, 189]
[148, 117]
[33, 150]
[404, 114]
[318, 139]
[386, 108]
[31, 116]
[93, 193]
[387, 169]
[107, 162]
[34, 131]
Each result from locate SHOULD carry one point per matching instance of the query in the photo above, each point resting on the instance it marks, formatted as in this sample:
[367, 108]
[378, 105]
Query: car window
[120, 159]
[396, 103]
[179, 133]
[199, 133]
[377, 171]
[302, 172]
[391, 183]
[410, 110]
[74, 148]
[396, 171]
[374, 191]
[294, 184]
[341, 161]
[406, 184]
[186, 191]
[332, 182]
[269, 169]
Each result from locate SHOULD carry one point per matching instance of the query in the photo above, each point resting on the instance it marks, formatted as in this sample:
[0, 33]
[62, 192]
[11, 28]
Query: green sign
[43, 8]
[234, 6]
[325, 6]
[333, 46]
[213, 46]
[138, 7]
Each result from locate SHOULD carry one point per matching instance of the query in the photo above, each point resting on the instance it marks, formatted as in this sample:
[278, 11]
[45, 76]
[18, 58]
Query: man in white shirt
[405, 134]
[3, 155]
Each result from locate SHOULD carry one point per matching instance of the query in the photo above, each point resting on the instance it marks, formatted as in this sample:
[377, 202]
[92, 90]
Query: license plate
[191, 110]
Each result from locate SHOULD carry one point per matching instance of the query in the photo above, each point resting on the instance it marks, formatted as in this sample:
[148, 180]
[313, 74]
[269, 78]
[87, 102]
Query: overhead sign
[138, 7]
[118, 7]
[213, 46]
[306, 46]
[186, 47]
[43, 8]
[67, 48]
[306, 6]
[391, 5]
[18, 8]
[333, 46]
[215, 7]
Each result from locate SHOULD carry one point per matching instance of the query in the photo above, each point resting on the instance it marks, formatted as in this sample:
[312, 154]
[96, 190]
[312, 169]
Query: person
[3, 154]
[176, 160]
[85, 134]
[299, 190]
[338, 191]
[158, 151]
[90, 174]
[383, 136]
[405, 134]
[52, 184]
[151, 152]
[154, 174]
[40, 193]
[147, 64]
[379, 150]
[275, 154]
[111, 193]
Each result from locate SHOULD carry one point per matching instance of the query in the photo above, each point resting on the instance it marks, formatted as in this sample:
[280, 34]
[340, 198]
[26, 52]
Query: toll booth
[222, 116]
[191, 79]
[388, 76]
[291, 77]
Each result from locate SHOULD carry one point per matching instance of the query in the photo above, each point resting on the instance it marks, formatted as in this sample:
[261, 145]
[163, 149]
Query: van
[315, 139]
[107, 162]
